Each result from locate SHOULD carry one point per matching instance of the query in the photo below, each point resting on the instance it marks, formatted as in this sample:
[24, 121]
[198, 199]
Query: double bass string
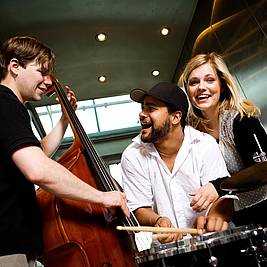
[94, 158]
[82, 234]
[99, 166]
[97, 161]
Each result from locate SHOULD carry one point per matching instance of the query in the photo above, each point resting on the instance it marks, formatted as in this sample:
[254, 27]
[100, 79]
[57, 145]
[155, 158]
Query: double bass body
[78, 234]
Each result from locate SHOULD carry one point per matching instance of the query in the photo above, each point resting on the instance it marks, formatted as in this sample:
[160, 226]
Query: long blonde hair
[229, 99]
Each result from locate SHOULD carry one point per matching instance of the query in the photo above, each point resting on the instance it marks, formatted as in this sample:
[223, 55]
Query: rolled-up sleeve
[135, 180]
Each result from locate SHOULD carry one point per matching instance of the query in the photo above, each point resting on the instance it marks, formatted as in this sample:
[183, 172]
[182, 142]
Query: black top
[245, 142]
[20, 219]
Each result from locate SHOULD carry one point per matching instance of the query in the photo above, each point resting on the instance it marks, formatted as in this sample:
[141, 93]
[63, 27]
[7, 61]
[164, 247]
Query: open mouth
[202, 97]
[145, 125]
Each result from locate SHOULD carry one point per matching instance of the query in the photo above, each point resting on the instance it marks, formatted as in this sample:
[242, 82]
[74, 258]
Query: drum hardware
[259, 156]
[163, 263]
[211, 249]
[213, 261]
[252, 251]
[257, 250]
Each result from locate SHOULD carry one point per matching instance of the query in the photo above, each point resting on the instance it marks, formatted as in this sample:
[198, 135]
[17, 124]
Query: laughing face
[33, 81]
[154, 119]
[204, 88]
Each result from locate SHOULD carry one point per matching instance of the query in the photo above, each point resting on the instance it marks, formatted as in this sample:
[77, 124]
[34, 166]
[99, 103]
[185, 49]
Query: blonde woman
[217, 109]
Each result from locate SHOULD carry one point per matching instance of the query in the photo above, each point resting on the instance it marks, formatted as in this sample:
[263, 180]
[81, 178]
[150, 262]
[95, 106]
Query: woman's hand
[203, 197]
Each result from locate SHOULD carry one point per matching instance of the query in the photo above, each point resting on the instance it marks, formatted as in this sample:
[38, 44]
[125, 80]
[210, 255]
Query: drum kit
[244, 246]
[241, 246]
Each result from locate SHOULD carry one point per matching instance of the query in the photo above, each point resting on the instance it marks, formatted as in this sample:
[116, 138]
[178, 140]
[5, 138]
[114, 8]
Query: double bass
[77, 234]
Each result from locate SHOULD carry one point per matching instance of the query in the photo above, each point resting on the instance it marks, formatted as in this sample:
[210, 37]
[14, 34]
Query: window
[96, 115]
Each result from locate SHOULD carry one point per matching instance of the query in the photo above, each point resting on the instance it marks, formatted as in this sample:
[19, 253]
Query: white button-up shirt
[148, 182]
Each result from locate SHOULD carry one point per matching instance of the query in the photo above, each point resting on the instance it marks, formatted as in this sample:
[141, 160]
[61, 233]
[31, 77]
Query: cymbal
[247, 179]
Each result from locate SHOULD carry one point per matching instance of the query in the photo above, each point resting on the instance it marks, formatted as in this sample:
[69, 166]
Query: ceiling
[134, 46]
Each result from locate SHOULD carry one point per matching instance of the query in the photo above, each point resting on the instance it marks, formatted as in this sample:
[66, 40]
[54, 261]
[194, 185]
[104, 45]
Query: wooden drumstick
[159, 229]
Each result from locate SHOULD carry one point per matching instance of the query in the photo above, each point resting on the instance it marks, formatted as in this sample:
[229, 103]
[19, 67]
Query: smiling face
[26, 67]
[32, 80]
[204, 89]
[155, 120]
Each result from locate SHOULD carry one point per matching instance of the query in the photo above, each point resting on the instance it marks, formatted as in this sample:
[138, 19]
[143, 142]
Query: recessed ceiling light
[155, 73]
[164, 31]
[101, 37]
[102, 78]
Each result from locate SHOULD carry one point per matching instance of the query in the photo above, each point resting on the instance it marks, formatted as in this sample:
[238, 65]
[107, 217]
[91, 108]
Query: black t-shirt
[20, 219]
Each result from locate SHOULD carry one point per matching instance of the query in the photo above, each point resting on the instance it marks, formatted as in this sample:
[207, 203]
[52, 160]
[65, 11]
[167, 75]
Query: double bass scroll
[78, 234]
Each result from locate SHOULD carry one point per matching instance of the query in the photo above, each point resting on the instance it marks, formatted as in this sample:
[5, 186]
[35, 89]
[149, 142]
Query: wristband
[157, 220]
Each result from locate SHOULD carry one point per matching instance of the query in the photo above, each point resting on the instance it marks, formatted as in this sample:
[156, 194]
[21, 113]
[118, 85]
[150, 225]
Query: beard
[157, 133]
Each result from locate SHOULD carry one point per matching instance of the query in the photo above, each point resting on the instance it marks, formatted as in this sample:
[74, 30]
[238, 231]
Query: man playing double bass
[25, 68]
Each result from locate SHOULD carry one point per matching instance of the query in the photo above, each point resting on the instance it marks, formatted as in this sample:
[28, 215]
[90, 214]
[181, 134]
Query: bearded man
[168, 161]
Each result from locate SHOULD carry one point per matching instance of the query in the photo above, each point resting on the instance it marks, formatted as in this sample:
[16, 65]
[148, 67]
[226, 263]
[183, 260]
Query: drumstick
[158, 229]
